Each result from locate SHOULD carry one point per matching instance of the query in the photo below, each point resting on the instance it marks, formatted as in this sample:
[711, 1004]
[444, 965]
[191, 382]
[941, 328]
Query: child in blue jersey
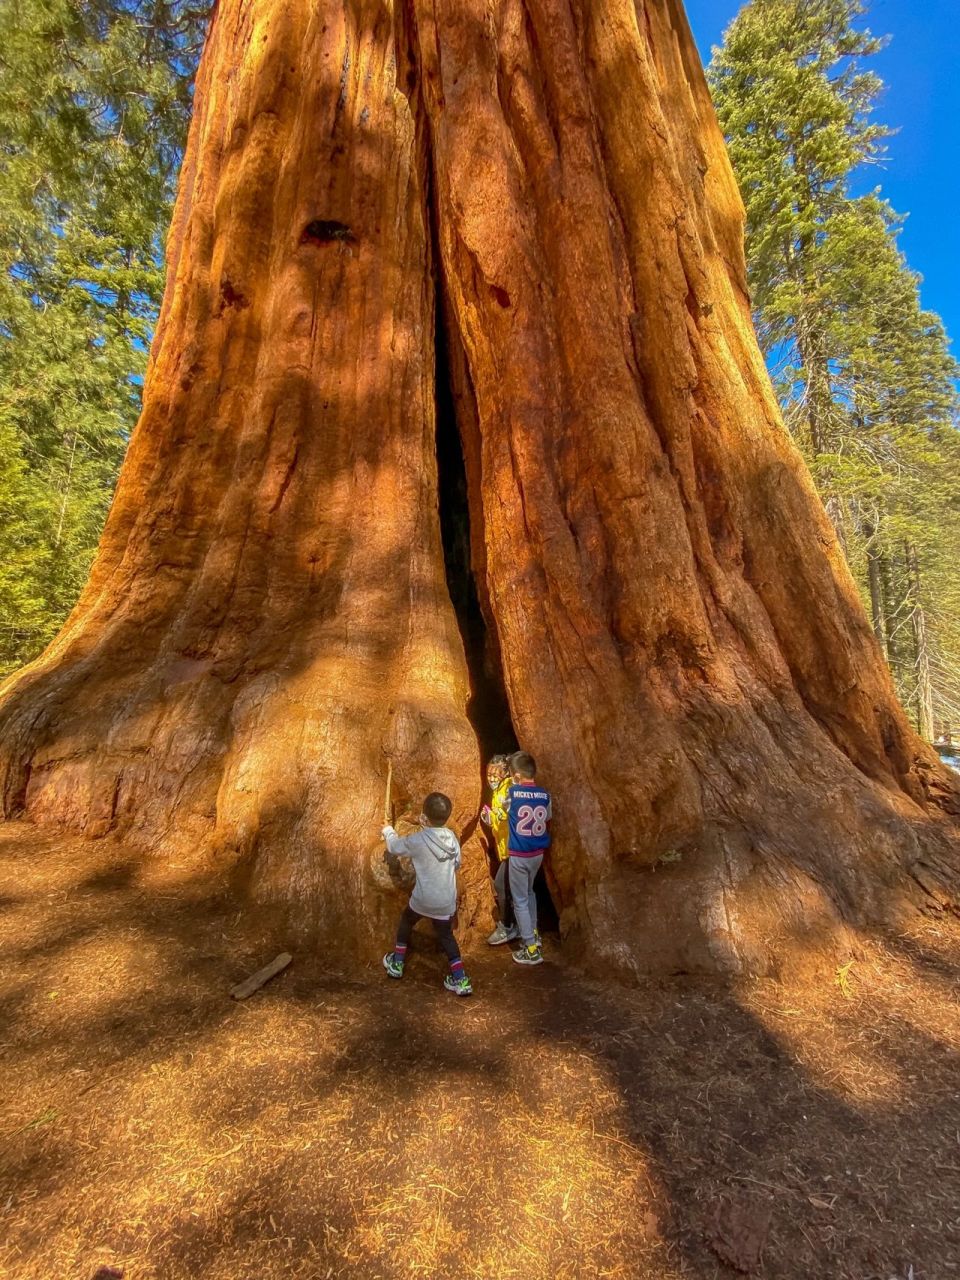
[528, 812]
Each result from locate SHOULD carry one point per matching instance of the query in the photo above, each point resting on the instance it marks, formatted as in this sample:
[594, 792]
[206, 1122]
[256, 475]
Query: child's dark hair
[523, 764]
[437, 808]
[499, 759]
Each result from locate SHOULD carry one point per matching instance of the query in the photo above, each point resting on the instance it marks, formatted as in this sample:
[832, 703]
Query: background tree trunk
[918, 626]
[680, 642]
[870, 532]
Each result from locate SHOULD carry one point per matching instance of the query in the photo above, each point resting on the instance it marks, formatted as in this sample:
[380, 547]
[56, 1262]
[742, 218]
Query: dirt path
[549, 1127]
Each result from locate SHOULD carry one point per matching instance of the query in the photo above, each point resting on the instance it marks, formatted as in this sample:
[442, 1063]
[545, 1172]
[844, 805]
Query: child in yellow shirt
[494, 815]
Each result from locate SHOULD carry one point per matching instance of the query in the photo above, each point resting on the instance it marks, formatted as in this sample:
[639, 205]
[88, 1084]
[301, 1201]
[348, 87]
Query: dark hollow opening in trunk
[548, 921]
[488, 709]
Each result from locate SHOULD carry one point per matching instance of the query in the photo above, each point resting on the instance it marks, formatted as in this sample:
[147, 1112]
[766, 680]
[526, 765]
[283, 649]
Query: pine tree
[94, 103]
[864, 374]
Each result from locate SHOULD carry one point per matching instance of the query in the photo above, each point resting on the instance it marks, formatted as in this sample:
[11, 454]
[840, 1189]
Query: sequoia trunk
[267, 623]
[646, 566]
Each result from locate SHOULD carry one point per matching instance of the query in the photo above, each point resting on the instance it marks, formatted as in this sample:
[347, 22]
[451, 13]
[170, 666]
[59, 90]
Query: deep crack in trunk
[488, 709]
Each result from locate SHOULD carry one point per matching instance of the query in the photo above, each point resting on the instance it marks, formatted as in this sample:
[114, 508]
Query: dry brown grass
[341, 1125]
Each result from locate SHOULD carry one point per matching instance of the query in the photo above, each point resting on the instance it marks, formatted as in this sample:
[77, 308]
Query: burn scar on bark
[285, 482]
[230, 296]
[327, 231]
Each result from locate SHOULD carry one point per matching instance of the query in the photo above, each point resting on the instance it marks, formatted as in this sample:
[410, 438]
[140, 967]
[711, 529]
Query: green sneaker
[459, 986]
[393, 964]
[529, 955]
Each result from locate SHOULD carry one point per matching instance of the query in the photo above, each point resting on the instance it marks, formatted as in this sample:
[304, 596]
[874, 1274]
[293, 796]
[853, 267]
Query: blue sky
[921, 175]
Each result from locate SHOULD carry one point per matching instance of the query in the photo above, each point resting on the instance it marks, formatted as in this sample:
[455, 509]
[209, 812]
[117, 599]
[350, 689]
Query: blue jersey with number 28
[528, 811]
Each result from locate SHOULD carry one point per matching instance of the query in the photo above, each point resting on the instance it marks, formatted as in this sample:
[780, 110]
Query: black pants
[442, 928]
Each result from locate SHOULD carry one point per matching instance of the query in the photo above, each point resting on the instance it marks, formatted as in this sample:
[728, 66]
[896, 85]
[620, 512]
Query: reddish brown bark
[267, 622]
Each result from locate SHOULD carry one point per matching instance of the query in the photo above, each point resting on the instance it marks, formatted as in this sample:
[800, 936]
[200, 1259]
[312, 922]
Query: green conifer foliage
[94, 103]
[864, 374]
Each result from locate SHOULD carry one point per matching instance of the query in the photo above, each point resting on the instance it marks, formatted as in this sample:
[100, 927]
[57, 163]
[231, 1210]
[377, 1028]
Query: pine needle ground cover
[338, 1124]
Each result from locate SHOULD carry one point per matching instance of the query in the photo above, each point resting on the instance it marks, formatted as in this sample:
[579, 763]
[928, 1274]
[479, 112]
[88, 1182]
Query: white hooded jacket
[435, 854]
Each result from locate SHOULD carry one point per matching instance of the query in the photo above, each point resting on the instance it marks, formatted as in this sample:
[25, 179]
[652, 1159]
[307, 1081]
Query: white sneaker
[502, 934]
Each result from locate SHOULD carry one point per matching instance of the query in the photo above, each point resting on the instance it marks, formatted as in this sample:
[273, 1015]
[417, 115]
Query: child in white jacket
[435, 854]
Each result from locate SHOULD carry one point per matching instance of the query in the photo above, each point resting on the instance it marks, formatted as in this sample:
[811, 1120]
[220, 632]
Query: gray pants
[500, 888]
[523, 872]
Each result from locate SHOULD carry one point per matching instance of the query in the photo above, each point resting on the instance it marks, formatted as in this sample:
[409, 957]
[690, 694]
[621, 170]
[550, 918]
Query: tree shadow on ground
[729, 1109]
[341, 1124]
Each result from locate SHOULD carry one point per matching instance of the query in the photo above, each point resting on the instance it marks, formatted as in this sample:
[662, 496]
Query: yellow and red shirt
[499, 821]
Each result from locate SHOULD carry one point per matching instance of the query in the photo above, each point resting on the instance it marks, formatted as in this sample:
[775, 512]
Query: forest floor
[552, 1126]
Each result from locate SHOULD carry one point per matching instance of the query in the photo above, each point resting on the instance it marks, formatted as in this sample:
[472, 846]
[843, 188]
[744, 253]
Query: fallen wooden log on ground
[257, 980]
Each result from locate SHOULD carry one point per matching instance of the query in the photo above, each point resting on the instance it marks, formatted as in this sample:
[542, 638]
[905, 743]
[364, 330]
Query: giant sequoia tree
[455, 418]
